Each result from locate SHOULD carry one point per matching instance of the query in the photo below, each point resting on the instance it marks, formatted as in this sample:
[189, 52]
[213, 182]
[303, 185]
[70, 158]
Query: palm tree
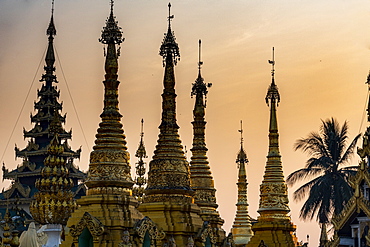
[327, 190]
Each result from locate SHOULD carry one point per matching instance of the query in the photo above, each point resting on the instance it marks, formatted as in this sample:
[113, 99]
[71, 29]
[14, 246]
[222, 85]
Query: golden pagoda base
[273, 234]
[179, 221]
[105, 217]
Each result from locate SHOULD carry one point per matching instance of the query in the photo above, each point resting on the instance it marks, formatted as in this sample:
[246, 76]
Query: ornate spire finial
[273, 92]
[52, 7]
[169, 49]
[272, 62]
[51, 29]
[241, 132]
[200, 63]
[242, 156]
[111, 32]
[199, 87]
[170, 17]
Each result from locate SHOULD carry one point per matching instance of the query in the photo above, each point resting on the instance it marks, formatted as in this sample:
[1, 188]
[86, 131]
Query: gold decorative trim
[88, 221]
[206, 231]
[147, 225]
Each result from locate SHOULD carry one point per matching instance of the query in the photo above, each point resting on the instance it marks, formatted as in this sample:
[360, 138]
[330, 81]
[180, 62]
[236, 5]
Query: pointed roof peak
[51, 31]
[169, 48]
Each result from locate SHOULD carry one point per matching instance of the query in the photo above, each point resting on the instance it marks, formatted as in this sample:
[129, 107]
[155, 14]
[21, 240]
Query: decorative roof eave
[353, 206]
[25, 153]
[42, 104]
[35, 132]
[361, 175]
[41, 116]
[13, 175]
[17, 187]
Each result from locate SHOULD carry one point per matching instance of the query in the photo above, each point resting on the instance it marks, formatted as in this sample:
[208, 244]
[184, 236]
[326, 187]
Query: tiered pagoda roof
[39, 137]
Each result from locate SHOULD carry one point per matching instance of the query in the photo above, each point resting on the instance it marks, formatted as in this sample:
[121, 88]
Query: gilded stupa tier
[200, 173]
[47, 110]
[109, 169]
[168, 176]
[242, 227]
[273, 227]
[54, 201]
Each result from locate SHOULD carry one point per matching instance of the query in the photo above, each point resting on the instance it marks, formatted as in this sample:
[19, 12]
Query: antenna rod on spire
[111, 5]
[241, 132]
[170, 17]
[142, 128]
[272, 62]
[52, 7]
[200, 63]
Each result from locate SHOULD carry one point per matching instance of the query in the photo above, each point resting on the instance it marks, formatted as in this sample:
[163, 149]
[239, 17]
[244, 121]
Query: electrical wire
[24, 103]
[70, 95]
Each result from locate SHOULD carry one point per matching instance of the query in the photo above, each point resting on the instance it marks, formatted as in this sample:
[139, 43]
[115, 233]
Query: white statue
[33, 238]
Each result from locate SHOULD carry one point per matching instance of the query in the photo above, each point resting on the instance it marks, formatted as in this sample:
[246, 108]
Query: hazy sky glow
[322, 60]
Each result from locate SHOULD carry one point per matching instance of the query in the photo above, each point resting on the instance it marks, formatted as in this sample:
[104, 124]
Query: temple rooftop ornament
[242, 227]
[273, 226]
[200, 173]
[169, 48]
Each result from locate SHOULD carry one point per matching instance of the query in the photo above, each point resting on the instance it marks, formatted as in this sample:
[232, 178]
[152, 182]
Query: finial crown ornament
[273, 92]
[199, 87]
[169, 48]
[111, 33]
[242, 156]
[141, 153]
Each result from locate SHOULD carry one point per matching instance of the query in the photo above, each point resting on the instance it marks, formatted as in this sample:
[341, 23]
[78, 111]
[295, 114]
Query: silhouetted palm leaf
[327, 190]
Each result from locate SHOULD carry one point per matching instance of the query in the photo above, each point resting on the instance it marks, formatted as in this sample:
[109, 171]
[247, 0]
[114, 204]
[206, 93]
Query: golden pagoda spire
[273, 180]
[274, 227]
[201, 178]
[168, 177]
[242, 227]
[109, 169]
[200, 174]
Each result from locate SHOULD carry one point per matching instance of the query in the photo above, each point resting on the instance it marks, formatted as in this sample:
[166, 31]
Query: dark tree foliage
[327, 189]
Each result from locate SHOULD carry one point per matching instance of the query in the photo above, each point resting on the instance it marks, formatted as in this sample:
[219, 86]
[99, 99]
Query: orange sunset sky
[322, 61]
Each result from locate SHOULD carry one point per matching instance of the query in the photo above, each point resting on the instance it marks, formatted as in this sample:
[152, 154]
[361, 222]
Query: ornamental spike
[169, 49]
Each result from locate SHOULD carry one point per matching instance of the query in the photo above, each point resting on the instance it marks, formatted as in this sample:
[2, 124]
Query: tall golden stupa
[273, 227]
